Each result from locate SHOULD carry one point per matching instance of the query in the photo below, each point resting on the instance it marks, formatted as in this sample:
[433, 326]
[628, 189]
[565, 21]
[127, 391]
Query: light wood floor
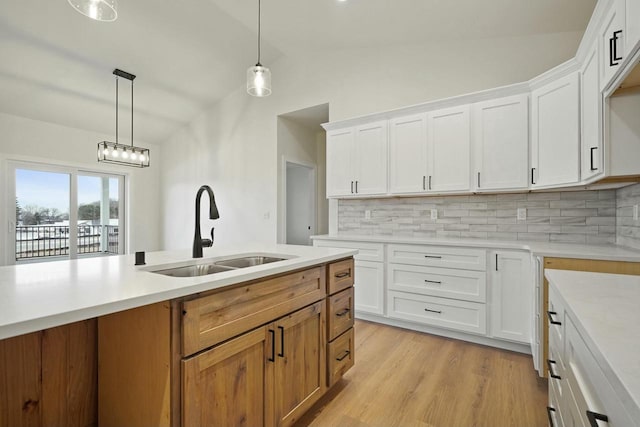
[405, 378]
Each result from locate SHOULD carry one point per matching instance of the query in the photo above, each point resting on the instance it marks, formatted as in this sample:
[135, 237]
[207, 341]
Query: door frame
[314, 196]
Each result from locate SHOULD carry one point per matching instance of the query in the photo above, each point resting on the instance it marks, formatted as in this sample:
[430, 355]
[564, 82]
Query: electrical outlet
[522, 214]
[367, 214]
[434, 213]
[635, 212]
[266, 215]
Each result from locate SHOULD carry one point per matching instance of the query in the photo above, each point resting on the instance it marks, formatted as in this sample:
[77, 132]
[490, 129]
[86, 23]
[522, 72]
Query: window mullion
[73, 216]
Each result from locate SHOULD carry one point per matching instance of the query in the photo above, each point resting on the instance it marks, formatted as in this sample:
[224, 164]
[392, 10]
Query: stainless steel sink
[248, 261]
[221, 266]
[194, 270]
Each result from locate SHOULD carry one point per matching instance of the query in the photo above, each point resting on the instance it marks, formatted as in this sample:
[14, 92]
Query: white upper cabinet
[408, 154]
[448, 148]
[611, 39]
[371, 158]
[340, 158]
[501, 143]
[555, 133]
[632, 26]
[591, 117]
[357, 160]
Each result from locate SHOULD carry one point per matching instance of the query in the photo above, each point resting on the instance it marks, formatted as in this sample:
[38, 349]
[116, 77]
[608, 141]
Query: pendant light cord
[258, 32]
[132, 113]
[116, 109]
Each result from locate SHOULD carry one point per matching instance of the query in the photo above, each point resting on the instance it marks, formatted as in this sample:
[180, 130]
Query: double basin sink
[194, 270]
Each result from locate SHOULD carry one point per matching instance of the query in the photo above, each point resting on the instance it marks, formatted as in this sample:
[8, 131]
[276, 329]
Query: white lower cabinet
[369, 274]
[511, 291]
[579, 392]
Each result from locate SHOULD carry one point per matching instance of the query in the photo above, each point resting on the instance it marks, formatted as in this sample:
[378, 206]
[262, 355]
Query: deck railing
[39, 241]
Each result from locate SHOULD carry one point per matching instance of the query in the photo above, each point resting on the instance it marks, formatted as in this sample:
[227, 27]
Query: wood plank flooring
[405, 378]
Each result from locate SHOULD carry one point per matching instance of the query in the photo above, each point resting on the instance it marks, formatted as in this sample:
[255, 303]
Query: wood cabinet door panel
[225, 386]
[300, 368]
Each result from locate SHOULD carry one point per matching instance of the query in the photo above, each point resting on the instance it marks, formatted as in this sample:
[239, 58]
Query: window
[65, 213]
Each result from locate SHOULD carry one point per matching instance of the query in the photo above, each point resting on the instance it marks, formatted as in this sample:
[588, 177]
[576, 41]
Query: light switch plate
[434, 213]
[522, 214]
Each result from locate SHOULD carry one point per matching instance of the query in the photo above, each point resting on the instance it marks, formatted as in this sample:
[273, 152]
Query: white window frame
[73, 172]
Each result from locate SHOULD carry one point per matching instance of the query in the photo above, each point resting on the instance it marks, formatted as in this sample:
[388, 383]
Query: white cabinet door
[408, 154]
[510, 289]
[449, 142]
[340, 157]
[371, 158]
[611, 38]
[555, 133]
[591, 117]
[501, 140]
[369, 287]
[632, 26]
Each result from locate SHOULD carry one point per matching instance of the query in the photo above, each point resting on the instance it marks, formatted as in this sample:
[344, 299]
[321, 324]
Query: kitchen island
[155, 349]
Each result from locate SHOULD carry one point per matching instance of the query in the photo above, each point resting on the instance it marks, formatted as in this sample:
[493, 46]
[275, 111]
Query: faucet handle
[207, 243]
[212, 238]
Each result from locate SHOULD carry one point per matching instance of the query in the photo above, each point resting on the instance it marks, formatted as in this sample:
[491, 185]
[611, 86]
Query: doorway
[300, 216]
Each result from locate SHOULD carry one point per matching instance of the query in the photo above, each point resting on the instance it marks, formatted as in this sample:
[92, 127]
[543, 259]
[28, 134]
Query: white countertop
[606, 310]
[566, 250]
[43, 295]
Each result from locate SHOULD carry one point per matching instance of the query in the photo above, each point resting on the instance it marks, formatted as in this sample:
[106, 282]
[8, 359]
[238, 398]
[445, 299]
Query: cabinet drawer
[443, 312]
[216, 317]
[438, 256]
[366, 251]
[554, 410]
[589, 386]
[466, 285]
[340, 313]
[341, 275]
[341, 356]
[555, 314]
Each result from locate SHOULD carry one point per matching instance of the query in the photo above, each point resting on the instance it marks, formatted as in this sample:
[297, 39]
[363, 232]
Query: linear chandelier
[123, 154]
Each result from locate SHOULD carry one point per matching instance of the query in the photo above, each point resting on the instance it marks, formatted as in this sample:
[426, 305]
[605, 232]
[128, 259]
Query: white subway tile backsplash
[627, 229]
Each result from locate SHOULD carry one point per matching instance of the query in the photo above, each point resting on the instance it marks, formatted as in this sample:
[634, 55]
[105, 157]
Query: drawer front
[443, 312]
[555, 314]
[216, 317]
[554, 410]
[341, 356]
[340, 313]
[366, 251]
[589, 386]
[556, 367]
[466, 285]
[341, 275]
[438, 256]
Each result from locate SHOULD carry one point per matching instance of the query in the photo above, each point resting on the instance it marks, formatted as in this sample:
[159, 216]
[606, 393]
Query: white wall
[233, 145]
[32, 140]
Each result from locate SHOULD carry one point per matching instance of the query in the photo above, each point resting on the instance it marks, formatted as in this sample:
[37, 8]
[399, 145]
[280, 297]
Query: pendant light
[123, 154]
[258, 76]
[100, 10]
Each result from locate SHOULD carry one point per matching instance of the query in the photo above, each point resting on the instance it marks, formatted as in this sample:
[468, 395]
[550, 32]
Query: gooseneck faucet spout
[198, 241]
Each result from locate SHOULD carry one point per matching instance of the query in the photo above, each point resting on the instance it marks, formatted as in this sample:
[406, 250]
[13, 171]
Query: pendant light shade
[258, 80]
[259, 76]
[123, 154]
[100, 10]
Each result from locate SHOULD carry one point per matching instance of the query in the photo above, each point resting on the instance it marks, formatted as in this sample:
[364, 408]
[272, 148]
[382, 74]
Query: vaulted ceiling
[55, 64]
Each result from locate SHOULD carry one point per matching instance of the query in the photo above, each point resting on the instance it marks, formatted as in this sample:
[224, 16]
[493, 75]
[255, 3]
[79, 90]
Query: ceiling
[56, 64]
